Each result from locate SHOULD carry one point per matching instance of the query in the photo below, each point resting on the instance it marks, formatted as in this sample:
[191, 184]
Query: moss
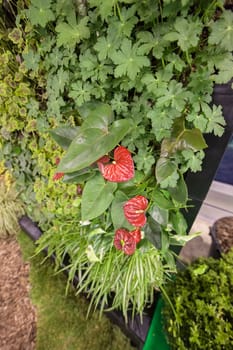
[202, 299]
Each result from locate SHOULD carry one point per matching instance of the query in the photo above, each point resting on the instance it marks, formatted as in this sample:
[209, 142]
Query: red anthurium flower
[104, 159]
[134, 210]
[124, 241]
[58, 176]
[121, 169]
[100, 162]
[136, 235]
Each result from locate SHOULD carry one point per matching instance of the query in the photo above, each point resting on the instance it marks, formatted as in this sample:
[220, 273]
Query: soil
[17, 314]
[222, 232]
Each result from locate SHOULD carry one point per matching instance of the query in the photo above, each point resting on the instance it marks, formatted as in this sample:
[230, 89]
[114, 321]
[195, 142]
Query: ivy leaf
[158, 83]
[39, 12]
[225, 71]
[105, 47]
[161, 121]
[56, 83]
[198, 120]
[194, 160]
[222, 31]
[176, 96]
[91, 68]
[70, 34]
[186, 33]
[88, 62]
[54, 105]
[104, 6]
[65, 8]
[151, 42]
[31, 60]
[144, 160]
[118, 104]
[176, 62]
[54, 59]
[96, 197]
[170, 181]
[62, 78]
[80, 92]
[200, 83]
[215, 120]
[33, 108]
[125, 25]
[128, 61]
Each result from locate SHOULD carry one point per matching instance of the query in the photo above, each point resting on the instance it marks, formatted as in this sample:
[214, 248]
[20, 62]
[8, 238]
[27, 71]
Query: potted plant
[125, 88]
[222, 234]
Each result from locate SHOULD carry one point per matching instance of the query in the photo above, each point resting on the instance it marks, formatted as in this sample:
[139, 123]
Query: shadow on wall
[225, 170]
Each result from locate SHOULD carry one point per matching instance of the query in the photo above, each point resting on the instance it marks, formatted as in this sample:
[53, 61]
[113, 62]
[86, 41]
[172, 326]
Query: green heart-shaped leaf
[97, 197]
[159, 215]
[152, 232]
[91, 144]
[96, 115]
[164, 168]
[194, 138]
[178, 222]
[79, 176]
[64, 135]
[180, 192]
[161, 200]
[117, 212]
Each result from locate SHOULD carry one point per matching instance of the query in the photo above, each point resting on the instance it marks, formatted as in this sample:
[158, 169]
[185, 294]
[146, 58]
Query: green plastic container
[156, 339]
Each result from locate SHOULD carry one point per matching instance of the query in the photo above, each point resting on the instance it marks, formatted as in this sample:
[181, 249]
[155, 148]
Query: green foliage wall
[145, 59]
[25, 146]
[155, 63]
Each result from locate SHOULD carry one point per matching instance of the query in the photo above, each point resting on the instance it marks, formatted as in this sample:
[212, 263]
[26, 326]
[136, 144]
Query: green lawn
[62, 323]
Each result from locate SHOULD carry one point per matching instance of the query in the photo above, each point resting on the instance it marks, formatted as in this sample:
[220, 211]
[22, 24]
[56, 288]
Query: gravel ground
[17, 314]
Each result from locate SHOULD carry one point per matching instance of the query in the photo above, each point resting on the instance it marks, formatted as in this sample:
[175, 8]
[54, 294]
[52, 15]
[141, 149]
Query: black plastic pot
[222, 234]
